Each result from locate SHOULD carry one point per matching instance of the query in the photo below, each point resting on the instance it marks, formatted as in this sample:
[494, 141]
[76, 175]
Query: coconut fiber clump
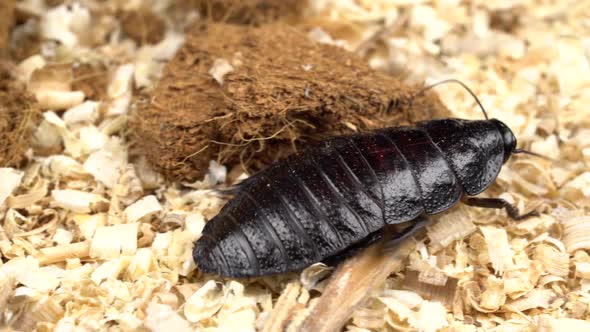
[18, 118]
[6, 20]
[250, 11]
[250, 96]
[143, 26]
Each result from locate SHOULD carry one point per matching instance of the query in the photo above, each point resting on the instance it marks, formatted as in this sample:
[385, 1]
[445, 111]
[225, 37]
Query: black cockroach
[335, 198]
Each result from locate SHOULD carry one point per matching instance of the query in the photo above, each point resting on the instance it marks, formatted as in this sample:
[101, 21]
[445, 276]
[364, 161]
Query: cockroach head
[508, 138]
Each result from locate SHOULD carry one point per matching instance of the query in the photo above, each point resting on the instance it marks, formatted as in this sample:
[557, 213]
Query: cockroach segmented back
[325, 202]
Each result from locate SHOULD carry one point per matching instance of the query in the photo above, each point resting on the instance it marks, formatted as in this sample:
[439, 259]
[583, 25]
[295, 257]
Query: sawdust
[6, 21]
[18, 118]
[271, 99]
[143, 26]
[250, 11]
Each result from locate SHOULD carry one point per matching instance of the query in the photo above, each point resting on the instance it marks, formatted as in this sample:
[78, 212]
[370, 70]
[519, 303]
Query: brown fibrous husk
[18, 118]
[285, 92]
[143, 26]
[6, 21]
[249, 11]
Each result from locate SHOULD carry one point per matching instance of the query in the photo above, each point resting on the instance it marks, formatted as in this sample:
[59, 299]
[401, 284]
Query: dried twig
[351, 284]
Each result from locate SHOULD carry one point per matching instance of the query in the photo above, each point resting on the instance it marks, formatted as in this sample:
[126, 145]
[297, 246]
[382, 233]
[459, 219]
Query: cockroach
[335, 198]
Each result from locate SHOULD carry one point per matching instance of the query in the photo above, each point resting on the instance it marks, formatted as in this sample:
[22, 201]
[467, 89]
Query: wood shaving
[547, 323]
[537, 298]
[401, 303]
[56, 126]
[205, 302]
[220, 68]
[51, 85]
[65, 23]
[576, 233]
[107, 163]
[556, 262]
[63, 167]
[450, 227]
[315, 276]
[85, 112]
[148, 63]
[431, 317]
[284, 309]
[11, 181]
[494, 295]
[35, 194]
[441, 288]
[27, 67]
[113, 241]
[583, 270]
[79, 201]
[499, 251]
[162, 318]
[28, 273]
[143, 207]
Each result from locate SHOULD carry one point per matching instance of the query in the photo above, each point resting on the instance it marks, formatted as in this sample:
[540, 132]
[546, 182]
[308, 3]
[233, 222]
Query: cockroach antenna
[452, 80]
[522, 151]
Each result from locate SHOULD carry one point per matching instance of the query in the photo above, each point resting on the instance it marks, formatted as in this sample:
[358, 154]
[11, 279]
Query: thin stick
[351, 284]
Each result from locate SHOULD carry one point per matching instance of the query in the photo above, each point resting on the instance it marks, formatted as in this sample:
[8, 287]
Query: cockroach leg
[499, 203]
[354, 249]
[399, 236]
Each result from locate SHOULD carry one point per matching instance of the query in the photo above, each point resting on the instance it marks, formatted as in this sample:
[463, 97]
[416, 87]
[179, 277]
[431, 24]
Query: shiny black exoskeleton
[319, 204]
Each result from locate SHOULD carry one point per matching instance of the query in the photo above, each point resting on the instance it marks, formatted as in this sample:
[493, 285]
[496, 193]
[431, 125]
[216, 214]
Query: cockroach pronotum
[335, 198]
